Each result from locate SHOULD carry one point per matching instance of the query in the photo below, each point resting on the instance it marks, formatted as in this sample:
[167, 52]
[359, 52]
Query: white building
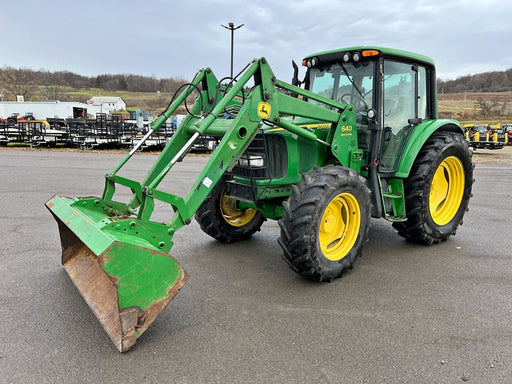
[107, 103]
[44, 109]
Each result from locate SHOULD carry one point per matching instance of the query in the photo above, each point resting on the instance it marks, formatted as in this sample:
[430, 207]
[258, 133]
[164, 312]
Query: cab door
[404, 105]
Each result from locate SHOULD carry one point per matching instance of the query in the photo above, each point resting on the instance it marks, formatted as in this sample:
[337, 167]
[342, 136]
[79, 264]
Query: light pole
[232, 28]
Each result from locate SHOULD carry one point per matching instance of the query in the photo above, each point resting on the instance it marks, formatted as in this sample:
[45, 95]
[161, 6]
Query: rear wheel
[325, 222]
[438, 189]
[220, 217]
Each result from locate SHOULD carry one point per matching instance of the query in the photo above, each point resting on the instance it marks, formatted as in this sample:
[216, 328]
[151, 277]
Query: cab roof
[337, 54]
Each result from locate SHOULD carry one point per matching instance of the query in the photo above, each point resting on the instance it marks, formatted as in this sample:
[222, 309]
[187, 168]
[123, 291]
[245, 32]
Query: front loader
[357, 138]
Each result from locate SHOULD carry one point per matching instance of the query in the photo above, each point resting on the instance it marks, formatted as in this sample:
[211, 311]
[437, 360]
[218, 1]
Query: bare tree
[487, 106]
[504, 109]
[17, 82]
[54, 92]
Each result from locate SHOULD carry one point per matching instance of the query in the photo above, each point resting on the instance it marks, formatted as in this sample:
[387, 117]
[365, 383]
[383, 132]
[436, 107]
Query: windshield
[349, 83]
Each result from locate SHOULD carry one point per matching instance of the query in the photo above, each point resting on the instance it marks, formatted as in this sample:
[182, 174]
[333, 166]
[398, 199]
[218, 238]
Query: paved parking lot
[404, 314]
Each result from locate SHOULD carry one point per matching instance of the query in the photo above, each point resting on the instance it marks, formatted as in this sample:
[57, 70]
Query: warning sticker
[207, 182]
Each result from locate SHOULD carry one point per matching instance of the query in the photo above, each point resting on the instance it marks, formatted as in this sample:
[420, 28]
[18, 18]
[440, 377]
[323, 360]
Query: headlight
[253, 161]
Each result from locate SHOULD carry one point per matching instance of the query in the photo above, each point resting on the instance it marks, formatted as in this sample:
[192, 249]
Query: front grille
[265, 158]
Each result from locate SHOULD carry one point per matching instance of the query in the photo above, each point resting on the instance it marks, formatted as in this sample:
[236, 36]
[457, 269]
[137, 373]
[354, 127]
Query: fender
[419, 136]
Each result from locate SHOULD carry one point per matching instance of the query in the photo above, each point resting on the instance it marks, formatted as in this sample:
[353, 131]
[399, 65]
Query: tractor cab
[391, 91]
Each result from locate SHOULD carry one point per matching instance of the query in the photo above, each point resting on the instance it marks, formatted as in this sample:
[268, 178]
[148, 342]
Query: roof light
[370, 52]
[311, 62]
[356, 56]
[346, 57]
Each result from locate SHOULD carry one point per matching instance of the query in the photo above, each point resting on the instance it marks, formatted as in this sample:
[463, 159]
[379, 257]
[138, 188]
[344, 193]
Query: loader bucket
[120, 265]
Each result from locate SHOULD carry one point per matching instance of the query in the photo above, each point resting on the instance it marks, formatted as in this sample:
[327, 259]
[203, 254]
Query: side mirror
[295, 79]
[415, 121]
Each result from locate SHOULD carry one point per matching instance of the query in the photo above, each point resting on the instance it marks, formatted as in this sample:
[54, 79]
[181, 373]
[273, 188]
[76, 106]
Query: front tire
[325, 222]
[438, 189]
[220, 217]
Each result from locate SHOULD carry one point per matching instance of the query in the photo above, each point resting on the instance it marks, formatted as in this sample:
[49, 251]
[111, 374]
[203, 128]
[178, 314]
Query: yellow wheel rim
[446, 190]
[339, 226]
[233, 215]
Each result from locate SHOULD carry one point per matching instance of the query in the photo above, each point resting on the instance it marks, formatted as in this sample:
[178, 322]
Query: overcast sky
[177, 37]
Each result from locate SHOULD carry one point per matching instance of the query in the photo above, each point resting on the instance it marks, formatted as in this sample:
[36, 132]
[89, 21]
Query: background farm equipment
[483, 137]
[507, 131]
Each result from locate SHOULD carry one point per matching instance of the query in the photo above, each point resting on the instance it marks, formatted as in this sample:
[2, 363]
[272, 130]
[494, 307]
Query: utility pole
[232, 28]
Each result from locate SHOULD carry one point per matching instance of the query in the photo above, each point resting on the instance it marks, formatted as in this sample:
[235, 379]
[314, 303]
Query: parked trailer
[32, 132]
[102, 132]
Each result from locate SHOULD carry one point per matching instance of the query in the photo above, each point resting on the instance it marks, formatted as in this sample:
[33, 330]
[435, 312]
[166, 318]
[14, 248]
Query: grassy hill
[471, 107]
[466, 107]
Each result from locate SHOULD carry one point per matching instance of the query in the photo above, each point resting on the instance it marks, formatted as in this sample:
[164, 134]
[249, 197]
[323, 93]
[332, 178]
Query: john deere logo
[264, 110]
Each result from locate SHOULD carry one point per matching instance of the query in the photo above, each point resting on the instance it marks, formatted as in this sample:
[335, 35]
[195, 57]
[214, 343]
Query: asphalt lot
[404, 314]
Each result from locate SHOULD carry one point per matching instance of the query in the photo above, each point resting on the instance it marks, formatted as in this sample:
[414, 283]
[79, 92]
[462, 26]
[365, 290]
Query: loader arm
[116, 255]
[236, 136]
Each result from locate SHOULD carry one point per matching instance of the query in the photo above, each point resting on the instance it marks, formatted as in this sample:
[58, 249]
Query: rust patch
[98, 291]
[129, 319]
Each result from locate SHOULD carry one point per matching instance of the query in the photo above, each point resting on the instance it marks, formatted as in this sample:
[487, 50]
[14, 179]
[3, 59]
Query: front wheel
[220, 217]
[438, 189]
[325, 222]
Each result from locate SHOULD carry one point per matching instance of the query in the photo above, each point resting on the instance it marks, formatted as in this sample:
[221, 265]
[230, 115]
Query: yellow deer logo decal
[264, 110]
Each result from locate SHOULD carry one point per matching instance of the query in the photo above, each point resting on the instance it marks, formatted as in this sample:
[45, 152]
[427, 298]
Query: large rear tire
[325, 222]
[438, 189]
[220, 217]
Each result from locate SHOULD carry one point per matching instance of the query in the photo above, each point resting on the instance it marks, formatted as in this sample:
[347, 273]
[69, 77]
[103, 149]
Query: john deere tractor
[357, 138]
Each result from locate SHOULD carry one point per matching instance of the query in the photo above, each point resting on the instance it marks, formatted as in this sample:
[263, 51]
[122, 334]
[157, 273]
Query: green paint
[143, 276]
[133, 253]
[417, 139]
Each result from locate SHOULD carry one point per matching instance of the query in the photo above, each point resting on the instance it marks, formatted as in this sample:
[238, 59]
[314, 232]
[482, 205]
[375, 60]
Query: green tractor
[357, 138]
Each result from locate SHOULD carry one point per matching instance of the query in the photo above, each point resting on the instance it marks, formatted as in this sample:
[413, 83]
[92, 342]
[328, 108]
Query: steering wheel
[357, 101]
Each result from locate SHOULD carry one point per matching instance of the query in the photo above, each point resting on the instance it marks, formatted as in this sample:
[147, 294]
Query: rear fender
[418, 137]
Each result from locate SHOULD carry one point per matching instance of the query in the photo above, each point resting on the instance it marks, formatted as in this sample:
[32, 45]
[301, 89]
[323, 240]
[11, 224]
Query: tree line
[41, 84]
[52, 85]
[496, 81]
